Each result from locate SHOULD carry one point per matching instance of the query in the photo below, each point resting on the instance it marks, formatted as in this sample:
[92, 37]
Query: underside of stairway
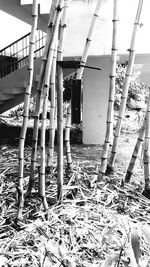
[14, 70]
[14, 57]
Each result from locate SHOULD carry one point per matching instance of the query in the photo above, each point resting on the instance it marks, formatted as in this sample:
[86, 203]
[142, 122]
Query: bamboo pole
[110, 111]
[146, 157]
[60, 105]
[51, 22]
[79, 76]
[135, 154]
[26, 107]
[45, 100]
[89, 38]
[67, 138]
[52, 111]
[129, 70]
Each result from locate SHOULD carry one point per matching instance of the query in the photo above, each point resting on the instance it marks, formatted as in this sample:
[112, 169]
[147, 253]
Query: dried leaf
[135, 243]
[112, 259]
[108, 234]
[62, 250]
[125, 263]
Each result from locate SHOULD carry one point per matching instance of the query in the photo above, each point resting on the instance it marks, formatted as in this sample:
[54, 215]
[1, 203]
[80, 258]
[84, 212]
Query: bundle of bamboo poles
[110, 111]
[110, 165]
[26, 107]
[50, 29]
[45, 101]
[56, 10]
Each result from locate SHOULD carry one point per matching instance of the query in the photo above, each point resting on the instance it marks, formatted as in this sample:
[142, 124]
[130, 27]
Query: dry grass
[91, 227]
[97, 225]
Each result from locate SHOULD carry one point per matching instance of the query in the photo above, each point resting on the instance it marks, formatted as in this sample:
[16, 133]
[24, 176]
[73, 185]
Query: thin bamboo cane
[67, 138]
[51, 22]
[110, 111]
[45, 100]
[146, 158]
[60, 105]
[79, 76]
[135, 154]
[52, 111]
[26, 107]
[59, 132]
[111, 163]
[89, 38]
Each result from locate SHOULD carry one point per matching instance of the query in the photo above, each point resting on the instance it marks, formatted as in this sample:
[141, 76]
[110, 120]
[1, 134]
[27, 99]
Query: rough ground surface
[97, 225]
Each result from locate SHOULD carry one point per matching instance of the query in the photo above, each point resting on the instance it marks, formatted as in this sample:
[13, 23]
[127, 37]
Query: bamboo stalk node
[88, 40]
[34, 15]
[107, 142]
[112, 76]
[64, 25]
[130, 50]
[137, 23]
[50, 25]
[58, 8]
[115, 20]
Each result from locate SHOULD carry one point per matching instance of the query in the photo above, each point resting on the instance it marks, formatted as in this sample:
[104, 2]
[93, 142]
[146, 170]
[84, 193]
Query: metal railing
[15, 55]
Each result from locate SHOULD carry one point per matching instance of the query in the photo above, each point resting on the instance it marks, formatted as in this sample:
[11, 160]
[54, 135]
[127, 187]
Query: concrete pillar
[95, 100]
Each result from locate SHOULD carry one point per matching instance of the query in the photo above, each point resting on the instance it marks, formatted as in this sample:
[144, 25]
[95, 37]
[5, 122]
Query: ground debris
[92, 227]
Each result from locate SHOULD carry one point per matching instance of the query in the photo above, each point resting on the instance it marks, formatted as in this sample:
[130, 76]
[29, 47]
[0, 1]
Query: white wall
[95, 100]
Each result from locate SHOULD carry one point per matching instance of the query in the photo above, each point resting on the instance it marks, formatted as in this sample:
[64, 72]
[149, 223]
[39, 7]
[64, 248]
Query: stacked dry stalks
[46, 85]
[51, 22]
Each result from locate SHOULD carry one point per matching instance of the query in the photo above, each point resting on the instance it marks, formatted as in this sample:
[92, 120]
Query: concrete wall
[96, 92]
[95, 100]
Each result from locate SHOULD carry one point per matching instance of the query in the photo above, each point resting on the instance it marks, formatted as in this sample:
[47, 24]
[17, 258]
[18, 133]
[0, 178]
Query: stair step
[16, 90]
[6, 96]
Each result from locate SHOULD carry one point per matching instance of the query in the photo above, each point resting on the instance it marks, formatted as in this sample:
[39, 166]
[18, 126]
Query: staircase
[14, 72]
[14, 57]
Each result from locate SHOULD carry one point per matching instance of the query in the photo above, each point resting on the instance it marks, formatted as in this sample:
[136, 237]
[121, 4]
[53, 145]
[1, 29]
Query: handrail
[15, 42]
[15, 55]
